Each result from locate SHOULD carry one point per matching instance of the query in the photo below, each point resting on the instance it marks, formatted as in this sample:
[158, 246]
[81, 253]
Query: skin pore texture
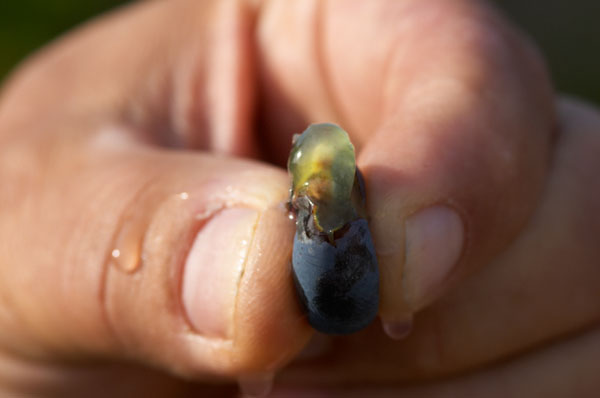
[144, 241]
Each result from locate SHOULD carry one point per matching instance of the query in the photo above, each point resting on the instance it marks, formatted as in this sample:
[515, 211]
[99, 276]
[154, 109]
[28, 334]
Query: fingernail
[256, 385]
[397, 329]
[213, 268]
[434, 242]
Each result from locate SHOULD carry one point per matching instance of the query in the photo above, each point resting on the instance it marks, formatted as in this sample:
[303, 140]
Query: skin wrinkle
[224, 70]
[181, 125]
[190, 117]
[236, 304]
[165, 129]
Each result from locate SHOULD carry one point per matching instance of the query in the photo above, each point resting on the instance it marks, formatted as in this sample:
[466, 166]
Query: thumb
[111, 248]
[114, 249]
[175, 260]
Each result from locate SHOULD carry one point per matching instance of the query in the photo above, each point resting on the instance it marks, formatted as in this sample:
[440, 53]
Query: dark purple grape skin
[338, 283]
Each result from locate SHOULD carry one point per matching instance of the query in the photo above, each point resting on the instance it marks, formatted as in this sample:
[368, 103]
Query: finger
[459, 157]
[451, 111]
[178, 74]
[545, 285]
[118, 243]
[177, 260]
[564, 369]
[541, 289]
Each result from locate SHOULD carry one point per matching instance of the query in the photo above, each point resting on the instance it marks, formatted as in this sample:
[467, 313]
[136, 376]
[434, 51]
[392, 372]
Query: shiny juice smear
[333, 261]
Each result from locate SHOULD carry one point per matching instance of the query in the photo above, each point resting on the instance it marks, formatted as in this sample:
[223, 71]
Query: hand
[134, 237]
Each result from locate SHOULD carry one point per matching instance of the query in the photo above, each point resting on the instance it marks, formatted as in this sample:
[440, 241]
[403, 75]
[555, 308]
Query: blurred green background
[26, 25]
[568, 33]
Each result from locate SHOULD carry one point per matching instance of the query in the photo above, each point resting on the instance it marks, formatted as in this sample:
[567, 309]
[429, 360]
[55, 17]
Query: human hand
[481, 197]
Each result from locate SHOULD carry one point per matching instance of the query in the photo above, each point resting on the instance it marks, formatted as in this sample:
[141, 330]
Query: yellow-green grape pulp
[323, 168]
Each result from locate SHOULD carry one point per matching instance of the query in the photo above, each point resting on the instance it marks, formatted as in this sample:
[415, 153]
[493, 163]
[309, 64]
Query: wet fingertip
[398, 329]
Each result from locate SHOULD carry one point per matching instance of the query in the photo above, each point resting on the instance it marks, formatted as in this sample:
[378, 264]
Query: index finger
[451, 111]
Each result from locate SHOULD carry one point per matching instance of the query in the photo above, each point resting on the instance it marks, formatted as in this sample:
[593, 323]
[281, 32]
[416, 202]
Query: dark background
[568, 33]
